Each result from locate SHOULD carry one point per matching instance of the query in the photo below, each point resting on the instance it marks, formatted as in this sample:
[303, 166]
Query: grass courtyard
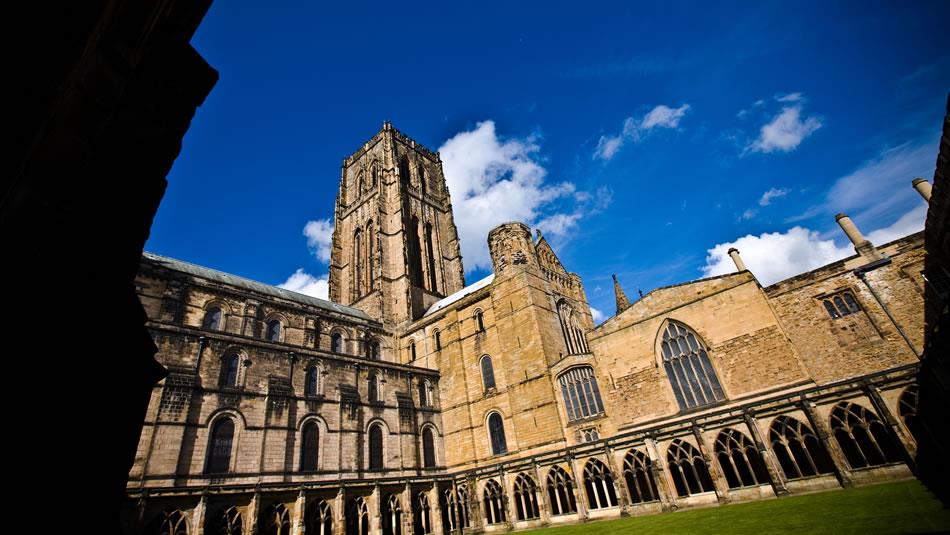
[904, 507]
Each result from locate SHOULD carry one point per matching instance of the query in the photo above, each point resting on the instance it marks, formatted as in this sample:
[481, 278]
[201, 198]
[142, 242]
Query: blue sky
[643, 139]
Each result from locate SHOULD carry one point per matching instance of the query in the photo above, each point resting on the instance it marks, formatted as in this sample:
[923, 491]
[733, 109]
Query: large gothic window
[574, 337]
[688, 367]
[740, 460]
[688, 468]
[599, 484]
[219, 451]
[309, 447]
[212, 321]
[430, 255]
[580, 393]
[862, 436]
[561, 492]
[358, 264]
[428, 448]
[496, 433]
[488, 373]
[638, 473]
[370, 240]
[494, 503]
[376, 447]
[526, 498]
[798, 449]
[319, 518]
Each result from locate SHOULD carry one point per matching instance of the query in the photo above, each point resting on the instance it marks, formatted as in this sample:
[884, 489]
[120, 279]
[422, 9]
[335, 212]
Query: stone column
[842, 468]
[475, 515]
[580, 495]
[776, 478]
[620, 485]
[661, 476]
[435, 511]
[253, 512]
[923, 188]
[507, 499]
[339, 512]
[715, 471]
[542, 496]
[198, 516]
[373, 506]
[408, 512]
[297, 516]
[904, 443]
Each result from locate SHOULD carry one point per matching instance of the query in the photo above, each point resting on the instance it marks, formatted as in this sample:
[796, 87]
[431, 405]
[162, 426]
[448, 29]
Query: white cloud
[598, 315]
[748, 214]
[319, 235]
[790, 97]
[784, 132]
[773, 193]
[307, 284]
[664, 116]
[908, 223]
[493, 181]
[775, 256]
[635, 129]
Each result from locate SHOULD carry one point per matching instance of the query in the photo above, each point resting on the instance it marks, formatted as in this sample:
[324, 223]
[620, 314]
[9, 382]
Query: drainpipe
[859, 272]
[202, 341]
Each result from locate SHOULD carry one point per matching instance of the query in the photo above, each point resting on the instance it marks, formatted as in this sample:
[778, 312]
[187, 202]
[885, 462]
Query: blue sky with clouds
[644, 140]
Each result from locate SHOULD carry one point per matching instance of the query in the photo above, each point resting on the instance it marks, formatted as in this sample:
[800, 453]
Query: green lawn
[905, 507]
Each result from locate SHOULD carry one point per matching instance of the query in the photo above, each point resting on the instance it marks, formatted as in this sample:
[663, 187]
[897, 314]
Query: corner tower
[395, 245]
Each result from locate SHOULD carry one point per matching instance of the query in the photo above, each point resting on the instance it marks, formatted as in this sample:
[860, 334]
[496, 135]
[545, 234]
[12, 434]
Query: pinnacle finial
[622, 302]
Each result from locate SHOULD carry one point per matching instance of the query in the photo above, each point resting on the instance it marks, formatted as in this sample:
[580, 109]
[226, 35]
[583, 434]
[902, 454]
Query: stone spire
[622, 302]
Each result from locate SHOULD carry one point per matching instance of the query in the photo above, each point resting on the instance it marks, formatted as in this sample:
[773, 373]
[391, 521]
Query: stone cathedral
[414, 403]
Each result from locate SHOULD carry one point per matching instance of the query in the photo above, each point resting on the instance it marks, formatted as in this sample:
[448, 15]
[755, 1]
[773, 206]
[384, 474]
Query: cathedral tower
[395, 245]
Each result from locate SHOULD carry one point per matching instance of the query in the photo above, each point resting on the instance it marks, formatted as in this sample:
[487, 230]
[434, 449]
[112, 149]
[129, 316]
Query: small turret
[622, 302]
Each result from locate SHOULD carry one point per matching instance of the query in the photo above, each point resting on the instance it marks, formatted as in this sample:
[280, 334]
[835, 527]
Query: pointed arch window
[172, 522]
[688, 367]
[488, 373]
[278, 520]
[392, 516]
[638, 473]
[309, 447]
[219, 452]
[494, 503]
[798, 450]
[318, 519]
[599, 483]
[273, 331]
[414, 248]
[580, 393]
[428, 448]
[740, 460]
[425, 393]
[212, 319]
[370, 256]
[526, 498]
[376, 447]
[574, 337]
[412, 350]
[479, 321]
[226, 522]
[314, 379]
[907, 409]
[430, 255]
[862, 436]
[358, 263]
[422, 178]
[357, 517]
[688, 468]
[496, 434]
[373, 388]
[454, 510]
[437, 337]
[561, 492]
[374, 174]
[421, 520]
